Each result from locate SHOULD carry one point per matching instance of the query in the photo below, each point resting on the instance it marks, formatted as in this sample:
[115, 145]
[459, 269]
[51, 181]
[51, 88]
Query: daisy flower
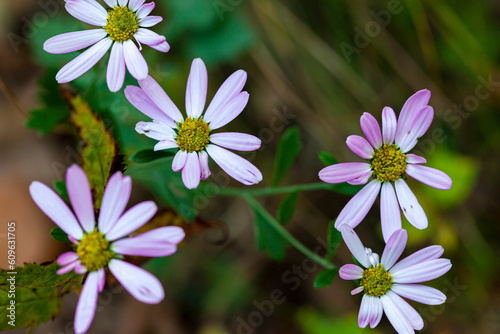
[122, 28]
[384, 282]
[388, 165]
[103, 246]
[193, 136]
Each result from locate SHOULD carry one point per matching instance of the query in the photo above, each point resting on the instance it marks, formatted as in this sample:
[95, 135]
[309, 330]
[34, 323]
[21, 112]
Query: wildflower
[103, 246]
[122, 28]
[193, 136]
[384, 282]
[388, 165]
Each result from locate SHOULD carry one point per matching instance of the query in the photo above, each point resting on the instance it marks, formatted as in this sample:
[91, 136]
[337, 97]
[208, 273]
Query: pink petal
[422, 272]
[394, 248]
[426, 254]
[409, 111]
[139, 283]
[361, 179]
[196, 91]
[191, 173]
[144, 104]
[419, 293]
[377, 312]
[68, 268]
[395, 316]
[80, 196]
[390, 215]
[73, 41]
[371, 129]
[148, 37]
[236, 141]
[134, 5]
[156, 130]
[389, 125]
[430, 176]
[80, 269]
[357, 208]
[204, 168]
[234, 165]
[418, 128]
[145, 10]
[114, 201]
[150, 21]
[360, 146]
[132, 219]
[66, 258]
[230, 111]
[414, 159]
[409, 204]
[85, 309]
[409, 312]
[179, 161]
[365, 311]
[229, 89]
[116, 68]
[350, 272]
[357, 290]
[83, 62]
[354, 244]
[55, 208]
[136, 64]
[160, 98]
[161, 241]
[162, 47]
[166, 144]
[101, 279]
[343, 172]
[88, 12]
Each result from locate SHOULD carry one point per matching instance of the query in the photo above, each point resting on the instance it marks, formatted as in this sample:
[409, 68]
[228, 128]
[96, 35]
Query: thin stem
[11, 97]
[342, 188]
[285, 234]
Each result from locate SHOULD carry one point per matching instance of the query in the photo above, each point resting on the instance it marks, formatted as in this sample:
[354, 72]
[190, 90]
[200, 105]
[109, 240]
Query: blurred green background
[318, 65]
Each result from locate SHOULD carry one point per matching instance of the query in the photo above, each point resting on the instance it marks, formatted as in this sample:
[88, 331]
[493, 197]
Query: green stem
[342, 188]
[285, 234]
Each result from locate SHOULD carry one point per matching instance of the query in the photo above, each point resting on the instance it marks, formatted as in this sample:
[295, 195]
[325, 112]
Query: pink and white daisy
[193, 135]
[388, 165]
[104, 245]
[122, 28]
[384, 281]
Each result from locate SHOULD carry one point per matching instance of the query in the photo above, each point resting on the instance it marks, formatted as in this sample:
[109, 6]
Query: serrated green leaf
[288, 149]
[151, 155]
[333, 239]
[287, 208]
[60, 187]
[99, 150]
[59, 235]
[166, 184]
[327, 158]
[325, 278]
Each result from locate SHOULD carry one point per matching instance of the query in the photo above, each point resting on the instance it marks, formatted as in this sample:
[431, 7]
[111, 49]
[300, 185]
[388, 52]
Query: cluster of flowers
[102, 245]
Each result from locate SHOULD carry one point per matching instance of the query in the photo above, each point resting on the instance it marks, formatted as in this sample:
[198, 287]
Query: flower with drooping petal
[388, 165]
[103, 244]
[123, 28]
[193, 136]
[384, 282]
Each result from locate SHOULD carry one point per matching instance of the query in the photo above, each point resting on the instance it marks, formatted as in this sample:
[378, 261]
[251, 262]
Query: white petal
[230, 111]
[430, 176]
[148, 37]
[364, 311]
[389, 211]
[409, 204]
[377, 312]
[80, 196]
[136, 64]
[422, 272]
[135, 4]
[155, 130]
[111, 3]
[229, 89]
[426, 254]
[144, 104]
[85, 309]
[343, 172]
[88, 11]
[114, 200]
[361, 179]
[179, 161]
[161, 241]
[394, 248]
[160, 98]
[414, 159]
[150, 21]
[419, 293]
[354, 244]
[196, 91]
[417, 129]
[73, 41]
[351, 272]
[236, 141]
[84, 61]
[162, 47]
[395, 316]
[165, 145]
[55, 208]
[145, 10]
[122, 3]
[409, 312]
[238, 168]
[389, 125]
[204, 168]
[142, 285]
[410, 110]
[116, 68]
[191, 173]
[357, 208]
[101, 279]
[132, 219]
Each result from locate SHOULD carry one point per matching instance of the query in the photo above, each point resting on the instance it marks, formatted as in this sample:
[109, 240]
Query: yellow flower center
[193, 135]
[388, 163]
[376, 281]
[93, 251]
[122, 24]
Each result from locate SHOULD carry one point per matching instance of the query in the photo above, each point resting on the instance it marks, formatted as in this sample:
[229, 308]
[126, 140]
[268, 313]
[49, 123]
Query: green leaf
[287, 208]
[166, 184]
[151, 155]
[288, 149]
[325, 278]
[43, 120]
[327, 159]
[334, 238]
[267, 237]
[60, 187]
[37, 294]
[59, 235]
